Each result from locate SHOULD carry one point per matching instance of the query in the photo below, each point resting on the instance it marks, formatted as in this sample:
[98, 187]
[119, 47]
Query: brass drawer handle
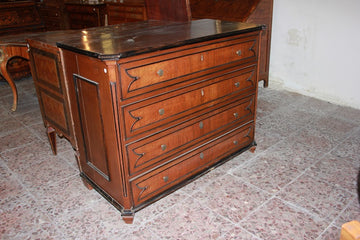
[201, 155]
[161, 111]
[202, 58]
[237, 84]
[163, 147]
[235, 142]
[160, 72]
[165, 178]
[238, 52]
[201, 125]
[236, 115]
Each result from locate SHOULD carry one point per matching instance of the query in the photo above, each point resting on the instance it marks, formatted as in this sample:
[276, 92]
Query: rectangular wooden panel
[54, 110]
[91, 124]
[47, 69]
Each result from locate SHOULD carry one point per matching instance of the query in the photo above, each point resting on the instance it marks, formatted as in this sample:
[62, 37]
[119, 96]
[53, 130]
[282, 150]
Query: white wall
[316, 49]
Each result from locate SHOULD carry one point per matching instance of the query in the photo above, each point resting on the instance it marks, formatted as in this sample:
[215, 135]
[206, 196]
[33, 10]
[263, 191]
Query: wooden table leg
[8, 52]
[51, 133]
[7, 77]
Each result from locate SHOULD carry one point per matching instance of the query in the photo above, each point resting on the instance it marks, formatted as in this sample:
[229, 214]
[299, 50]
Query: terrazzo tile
[265, 139]
[268, 172]
[46, 172]
[297, 154]
[276, 220]
[26, 156]
[350, 148]
[331, 233]
[5, 89]
[15, 139]
[238, 233]
[348, 113]
[316, 139]
[313, 105]
[285, 121]
[203, 181]
[10, 188]
[25, 220]
[316, 196]
[140, 234]
[190, 220]
[8, 125]
[232, 198]
[39, 130]
[352, 212]
[284, 99]
[65, 197]
[98, 221]
[151, 211]
[339, 171]
[69, 157]
[333, 123]
[63, 145]
[30, 118]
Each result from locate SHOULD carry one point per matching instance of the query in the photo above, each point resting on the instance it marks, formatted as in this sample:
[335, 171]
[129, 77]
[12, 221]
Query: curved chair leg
[7, 77]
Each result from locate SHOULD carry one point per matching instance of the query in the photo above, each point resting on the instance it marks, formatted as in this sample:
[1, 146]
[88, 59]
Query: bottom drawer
[184, 167]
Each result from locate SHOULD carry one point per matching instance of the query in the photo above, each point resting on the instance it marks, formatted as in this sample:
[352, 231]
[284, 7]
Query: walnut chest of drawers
[157, 104]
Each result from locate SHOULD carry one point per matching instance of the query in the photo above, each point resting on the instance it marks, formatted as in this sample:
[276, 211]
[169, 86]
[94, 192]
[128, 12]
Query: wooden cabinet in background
[53, 14]
[125, 12]
[85, 15]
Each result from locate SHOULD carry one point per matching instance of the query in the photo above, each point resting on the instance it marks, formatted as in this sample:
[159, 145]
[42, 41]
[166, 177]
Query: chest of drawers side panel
[96, 122]
[51, 88]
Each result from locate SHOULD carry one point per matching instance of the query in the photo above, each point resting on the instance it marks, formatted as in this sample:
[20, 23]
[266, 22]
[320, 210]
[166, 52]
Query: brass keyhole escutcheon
[201, 155]
[163, 147]
[165, 178]
[201, 125]
[202, 58]
[160, 72]
[161, 111]
[238, 52]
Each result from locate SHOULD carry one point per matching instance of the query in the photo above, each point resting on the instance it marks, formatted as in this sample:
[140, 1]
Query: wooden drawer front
[140, 117]
[156, 182]
[143, 76]
[155, 149]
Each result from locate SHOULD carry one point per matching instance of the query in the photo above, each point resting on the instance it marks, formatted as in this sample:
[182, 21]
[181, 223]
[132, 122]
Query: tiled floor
[299, 184]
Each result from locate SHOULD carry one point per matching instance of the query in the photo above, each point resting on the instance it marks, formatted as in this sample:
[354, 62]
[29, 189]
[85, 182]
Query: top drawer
[166, 68]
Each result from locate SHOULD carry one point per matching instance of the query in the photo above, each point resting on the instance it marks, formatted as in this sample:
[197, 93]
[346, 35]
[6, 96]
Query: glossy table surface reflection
[123, 40]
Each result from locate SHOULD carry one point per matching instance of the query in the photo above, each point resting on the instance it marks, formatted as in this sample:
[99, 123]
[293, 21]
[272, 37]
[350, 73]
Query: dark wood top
[128, 39]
